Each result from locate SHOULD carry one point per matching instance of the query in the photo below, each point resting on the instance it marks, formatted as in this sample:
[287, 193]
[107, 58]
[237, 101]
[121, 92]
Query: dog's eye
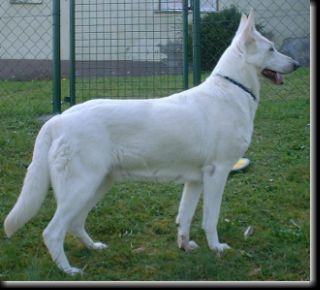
[271, 49]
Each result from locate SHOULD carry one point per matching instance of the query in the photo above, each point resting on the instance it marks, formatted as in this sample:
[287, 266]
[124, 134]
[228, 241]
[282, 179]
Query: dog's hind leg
[74, 201]
[54, 235]
[77, 227]
[214, 180]
[75, 178]
[189, 200]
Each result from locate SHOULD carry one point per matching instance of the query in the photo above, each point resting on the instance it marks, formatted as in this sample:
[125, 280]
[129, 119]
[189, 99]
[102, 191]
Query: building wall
[281, 19]
[23, 25]
[135, 31]
[128, 31]
[131, 34]
[25, 30]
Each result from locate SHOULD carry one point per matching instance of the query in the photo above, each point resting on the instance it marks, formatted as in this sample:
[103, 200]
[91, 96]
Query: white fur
[193, 137]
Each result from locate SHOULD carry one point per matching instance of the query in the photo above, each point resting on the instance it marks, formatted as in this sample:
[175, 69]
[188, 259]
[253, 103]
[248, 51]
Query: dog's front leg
[214, 180]
[189, 200]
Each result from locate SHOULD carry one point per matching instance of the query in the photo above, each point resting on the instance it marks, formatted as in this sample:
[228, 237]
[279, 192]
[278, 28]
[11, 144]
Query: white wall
[26, 30]
[134, 31]
[281, 19]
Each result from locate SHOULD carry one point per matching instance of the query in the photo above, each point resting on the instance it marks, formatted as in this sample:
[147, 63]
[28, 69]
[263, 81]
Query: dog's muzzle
[276, 77]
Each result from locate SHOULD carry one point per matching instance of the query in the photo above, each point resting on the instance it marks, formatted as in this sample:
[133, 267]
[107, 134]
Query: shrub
[217, 31]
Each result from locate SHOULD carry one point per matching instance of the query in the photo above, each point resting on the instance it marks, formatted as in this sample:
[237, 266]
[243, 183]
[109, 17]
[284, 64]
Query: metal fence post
[56, 59]
[185, 45]
[196, 42]
[72, 61]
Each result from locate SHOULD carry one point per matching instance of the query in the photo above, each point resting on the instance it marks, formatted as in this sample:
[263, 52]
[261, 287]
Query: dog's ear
[251, 19]
[246, 34]
[242, 23]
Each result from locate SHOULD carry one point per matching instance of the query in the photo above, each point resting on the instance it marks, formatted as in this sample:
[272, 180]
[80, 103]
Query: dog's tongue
[276, 77]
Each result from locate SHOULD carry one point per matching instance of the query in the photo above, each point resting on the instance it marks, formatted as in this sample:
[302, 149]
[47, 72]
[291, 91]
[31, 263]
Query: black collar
[240, 86]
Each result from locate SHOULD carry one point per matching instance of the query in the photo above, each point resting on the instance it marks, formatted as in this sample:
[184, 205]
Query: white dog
[193, 137]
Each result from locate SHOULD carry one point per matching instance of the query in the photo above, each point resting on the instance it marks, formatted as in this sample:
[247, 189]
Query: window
[170, 5]
[176, 5]
[25, 1]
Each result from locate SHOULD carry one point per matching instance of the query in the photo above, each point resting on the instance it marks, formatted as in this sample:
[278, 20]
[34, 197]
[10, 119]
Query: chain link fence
[285, 22]
[25, 40]
[25, 57]
[136, 48]
[129, 49]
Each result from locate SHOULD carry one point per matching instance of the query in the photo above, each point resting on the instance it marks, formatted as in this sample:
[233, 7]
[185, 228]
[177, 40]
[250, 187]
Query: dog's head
[261, 52]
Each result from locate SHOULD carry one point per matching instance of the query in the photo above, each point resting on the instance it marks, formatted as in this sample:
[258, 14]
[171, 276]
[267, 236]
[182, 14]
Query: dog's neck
[233, 66]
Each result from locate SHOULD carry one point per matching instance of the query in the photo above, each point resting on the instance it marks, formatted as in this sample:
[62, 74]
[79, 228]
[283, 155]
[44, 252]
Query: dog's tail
[35, 186]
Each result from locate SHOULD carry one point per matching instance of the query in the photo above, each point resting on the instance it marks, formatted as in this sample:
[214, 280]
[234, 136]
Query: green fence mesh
[129, 48]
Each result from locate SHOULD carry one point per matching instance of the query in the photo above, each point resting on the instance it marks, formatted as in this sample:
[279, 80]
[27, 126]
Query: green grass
[129, 87]
[136, 220]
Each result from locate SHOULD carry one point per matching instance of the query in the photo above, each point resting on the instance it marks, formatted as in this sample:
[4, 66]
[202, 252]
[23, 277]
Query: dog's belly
[176, 174]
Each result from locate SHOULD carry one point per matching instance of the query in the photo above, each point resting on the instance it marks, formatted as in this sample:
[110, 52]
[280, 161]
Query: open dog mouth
[274, 76]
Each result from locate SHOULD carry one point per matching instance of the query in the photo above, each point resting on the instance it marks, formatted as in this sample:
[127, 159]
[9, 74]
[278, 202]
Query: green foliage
[217, 32]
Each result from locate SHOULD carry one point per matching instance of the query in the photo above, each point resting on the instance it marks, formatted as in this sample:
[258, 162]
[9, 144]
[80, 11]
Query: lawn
[137, 220]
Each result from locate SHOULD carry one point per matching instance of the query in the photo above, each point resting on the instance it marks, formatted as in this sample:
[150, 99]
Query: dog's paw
[73, 271]
[186, 245]
[220, 247]
[192, 245]
[98, 246]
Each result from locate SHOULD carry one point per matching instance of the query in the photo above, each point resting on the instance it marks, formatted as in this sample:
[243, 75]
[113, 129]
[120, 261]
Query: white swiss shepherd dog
[193, 137]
